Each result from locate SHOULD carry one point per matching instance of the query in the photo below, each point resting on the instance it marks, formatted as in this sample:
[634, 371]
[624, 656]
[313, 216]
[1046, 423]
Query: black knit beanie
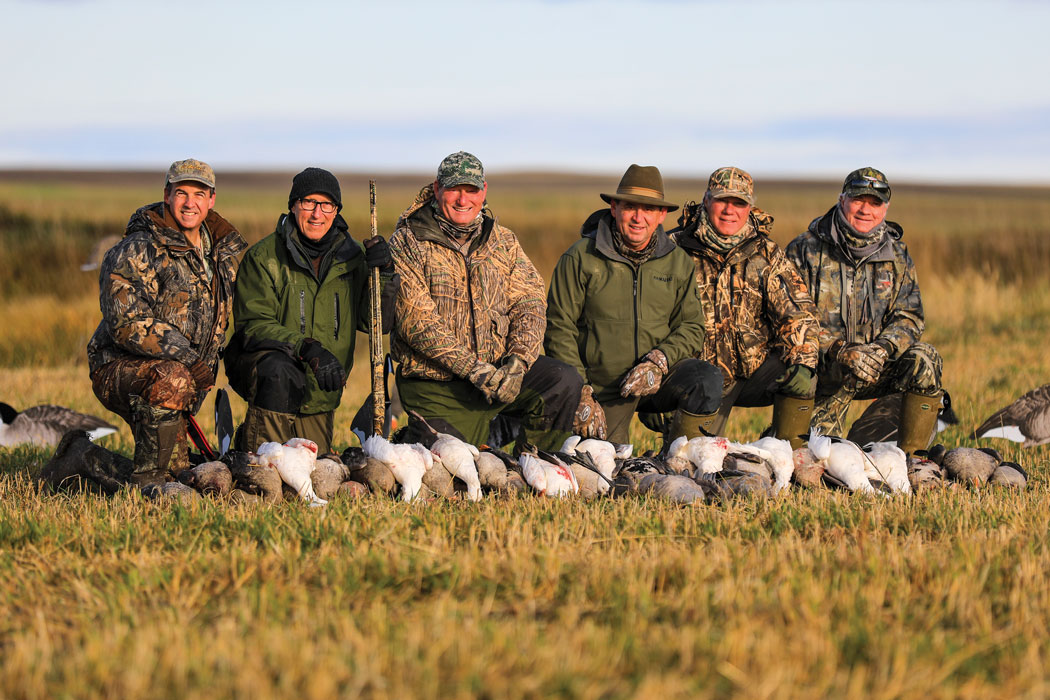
[315, 181]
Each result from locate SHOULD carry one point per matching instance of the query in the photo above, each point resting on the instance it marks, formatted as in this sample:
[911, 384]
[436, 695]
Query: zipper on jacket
[470, 304]
[635, 273]
[302, 311]
[335, 334]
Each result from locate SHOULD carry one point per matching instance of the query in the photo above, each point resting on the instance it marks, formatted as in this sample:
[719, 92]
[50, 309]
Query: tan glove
[505, 382]
[865, 361]
[589, 421]
[645, 377]
[479, 377]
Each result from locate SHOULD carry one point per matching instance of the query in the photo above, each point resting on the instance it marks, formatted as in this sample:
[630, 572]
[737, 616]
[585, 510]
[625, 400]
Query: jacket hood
[419, 219]
[599, 227]
[157, 218]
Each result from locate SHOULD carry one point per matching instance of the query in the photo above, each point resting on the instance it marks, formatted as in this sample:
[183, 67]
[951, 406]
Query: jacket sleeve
[904, 322]
[527, 307]
[416, 320]
[564, 308]
[791, 312]
[256, 304]
[129, 286]
[687, 319]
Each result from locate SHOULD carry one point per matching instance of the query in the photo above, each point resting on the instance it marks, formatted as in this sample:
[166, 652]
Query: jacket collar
[821, 228]
[599, 227]
[156, 218]
[343, 250]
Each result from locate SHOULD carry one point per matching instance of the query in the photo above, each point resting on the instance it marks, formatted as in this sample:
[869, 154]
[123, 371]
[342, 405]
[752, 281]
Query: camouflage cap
[867, 181]
[731, 182]
[461, 168]
[190, 170]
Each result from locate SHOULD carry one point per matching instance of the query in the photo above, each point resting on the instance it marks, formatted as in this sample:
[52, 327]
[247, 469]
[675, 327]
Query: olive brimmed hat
[641, 184]
[864, 181]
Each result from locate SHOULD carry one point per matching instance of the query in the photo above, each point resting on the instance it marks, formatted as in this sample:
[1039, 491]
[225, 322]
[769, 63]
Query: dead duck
[1026, 420]
[969, 465]
[209, 477]
[1009, 474]
[45, 425]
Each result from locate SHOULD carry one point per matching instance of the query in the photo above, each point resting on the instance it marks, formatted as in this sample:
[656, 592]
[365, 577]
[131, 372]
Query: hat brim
[883, 196]
[190, 178]
[733, 195]
[638, 199]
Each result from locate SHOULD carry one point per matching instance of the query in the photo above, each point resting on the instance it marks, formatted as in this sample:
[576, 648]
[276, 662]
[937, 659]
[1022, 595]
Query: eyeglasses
[869, 183]
[311, 204]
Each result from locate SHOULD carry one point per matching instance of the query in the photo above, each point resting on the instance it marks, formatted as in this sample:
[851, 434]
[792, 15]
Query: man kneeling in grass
[165, 291]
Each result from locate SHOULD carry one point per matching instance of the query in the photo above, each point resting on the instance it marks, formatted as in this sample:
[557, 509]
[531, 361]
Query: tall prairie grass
[815, 594]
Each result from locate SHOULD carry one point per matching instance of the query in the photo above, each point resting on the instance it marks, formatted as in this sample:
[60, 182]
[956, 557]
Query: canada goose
[45, 425]
[1026, 420]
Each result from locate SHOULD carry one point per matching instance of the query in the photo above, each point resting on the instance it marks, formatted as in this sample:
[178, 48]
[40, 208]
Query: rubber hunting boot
[691, 425]
[263, 425]
[156, 431]
[791, 416]
[918, 421]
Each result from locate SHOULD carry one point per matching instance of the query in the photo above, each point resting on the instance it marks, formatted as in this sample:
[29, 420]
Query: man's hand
[377, 254]
[479, 377]
[505, 382]
[797, 381]
[589, 421]
[203, 379]
[645, 377]
[865, 361]
[327, 370]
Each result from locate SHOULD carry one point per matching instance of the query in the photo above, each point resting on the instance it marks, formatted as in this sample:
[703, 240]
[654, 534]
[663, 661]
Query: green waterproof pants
[542, 413]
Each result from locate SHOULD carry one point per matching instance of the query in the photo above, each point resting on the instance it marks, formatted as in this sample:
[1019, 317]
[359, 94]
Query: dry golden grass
[811, 595]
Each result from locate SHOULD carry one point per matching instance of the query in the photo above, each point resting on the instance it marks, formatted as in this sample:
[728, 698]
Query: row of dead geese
[698, 470]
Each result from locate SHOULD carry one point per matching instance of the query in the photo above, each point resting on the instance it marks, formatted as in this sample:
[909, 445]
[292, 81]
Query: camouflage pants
[918, 371]
[543, 412]
[136, 387]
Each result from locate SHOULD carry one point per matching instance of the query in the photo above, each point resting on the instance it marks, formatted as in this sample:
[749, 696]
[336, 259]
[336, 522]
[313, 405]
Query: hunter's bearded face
[460, 204]
[864, 212]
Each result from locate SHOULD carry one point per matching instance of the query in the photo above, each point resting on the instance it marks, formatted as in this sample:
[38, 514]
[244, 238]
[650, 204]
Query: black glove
[377, 254]
[326, 367]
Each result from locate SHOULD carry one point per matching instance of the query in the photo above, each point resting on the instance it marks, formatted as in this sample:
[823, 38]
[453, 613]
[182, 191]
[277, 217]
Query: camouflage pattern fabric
[191, 170]
[866, 181]
[754, 302]
[918, 370]
[461, 168]
[731, 182]
[454, 310]
[165, 384]
[156, 297]
[881, 292]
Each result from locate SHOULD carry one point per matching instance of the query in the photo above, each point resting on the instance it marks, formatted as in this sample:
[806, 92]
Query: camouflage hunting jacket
[156, 297]
[604, 313]
[876, 299]
[754, 303]
[454, 310]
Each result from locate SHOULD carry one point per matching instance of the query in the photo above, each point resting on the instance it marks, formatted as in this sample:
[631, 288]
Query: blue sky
[946, 91]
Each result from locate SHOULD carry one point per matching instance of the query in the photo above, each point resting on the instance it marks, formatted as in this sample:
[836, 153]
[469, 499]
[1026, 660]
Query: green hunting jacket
[604, 313]
[454, 310]
[875, 299]
[281, 301]
[157, 297]
[754, 302]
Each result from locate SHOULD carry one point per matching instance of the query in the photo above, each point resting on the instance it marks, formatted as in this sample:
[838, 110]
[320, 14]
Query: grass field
[943, 595]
